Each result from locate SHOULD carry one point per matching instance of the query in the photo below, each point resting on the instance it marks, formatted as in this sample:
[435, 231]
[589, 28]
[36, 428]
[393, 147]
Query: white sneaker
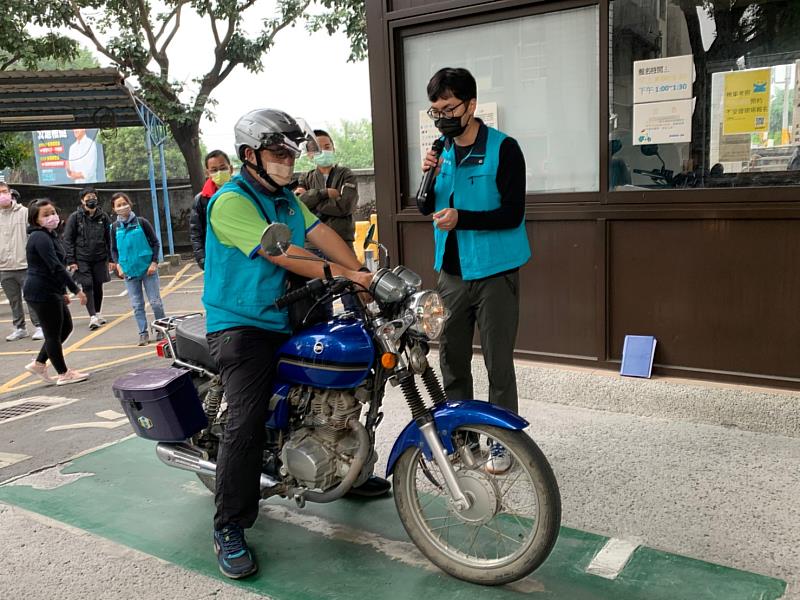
[17, 334]
[94, 322]
[71, 376]
[499, 462]
[38, 334]
[101, 318]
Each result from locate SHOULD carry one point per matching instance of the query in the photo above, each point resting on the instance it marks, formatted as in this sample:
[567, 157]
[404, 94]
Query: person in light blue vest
[478, 209]
[244, 327]
[134, 250]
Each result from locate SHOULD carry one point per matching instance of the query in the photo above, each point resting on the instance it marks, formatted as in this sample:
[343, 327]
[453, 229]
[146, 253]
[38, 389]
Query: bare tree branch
[175, 10]
[214, 29]
[87, 31]
[174, 30]
[10, 61]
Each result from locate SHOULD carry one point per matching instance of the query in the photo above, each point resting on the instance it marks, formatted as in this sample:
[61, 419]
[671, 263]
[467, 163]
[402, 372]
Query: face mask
[280, 173]
[90, 204]
[123, 211]
[5, 200]
[325, 158]
[451, 127]
[220, 178]
[51, 222]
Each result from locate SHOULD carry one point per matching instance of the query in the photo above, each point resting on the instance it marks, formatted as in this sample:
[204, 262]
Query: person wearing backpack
[87, 242]
[218, 173]
[134, 250]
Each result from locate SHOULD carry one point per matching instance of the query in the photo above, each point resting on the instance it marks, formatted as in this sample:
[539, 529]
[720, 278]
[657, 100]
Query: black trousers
[56, 323]
[245, 357]
[92, 276]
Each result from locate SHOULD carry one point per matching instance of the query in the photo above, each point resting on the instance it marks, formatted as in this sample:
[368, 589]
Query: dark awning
[76, 99]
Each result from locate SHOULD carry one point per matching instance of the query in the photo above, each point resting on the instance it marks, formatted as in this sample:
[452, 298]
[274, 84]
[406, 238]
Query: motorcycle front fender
[448, 417]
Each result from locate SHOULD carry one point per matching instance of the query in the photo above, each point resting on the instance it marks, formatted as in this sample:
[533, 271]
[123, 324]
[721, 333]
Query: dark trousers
[92, 276]
[56, 323]
[12, 282]
[245, 358]
[492, 304]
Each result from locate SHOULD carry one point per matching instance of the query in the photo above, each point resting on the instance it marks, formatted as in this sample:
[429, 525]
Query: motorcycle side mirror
[368, 241]
[276, 239]
[649, 149]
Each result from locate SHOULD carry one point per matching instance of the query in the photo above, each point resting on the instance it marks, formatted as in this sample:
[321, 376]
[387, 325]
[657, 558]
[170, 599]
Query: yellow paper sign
[746, 102]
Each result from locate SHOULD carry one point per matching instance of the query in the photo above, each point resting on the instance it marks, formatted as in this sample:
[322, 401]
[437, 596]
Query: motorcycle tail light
[162, 349]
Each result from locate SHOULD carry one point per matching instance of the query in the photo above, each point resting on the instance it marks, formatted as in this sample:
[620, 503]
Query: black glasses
[447, 113]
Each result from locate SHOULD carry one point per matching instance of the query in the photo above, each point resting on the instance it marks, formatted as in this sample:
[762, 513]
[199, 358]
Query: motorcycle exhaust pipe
[191, 458]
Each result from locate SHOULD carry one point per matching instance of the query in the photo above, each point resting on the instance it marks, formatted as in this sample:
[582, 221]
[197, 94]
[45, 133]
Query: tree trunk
[187, 136]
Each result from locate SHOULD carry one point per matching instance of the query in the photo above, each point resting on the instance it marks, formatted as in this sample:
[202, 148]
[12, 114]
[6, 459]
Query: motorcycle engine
[318, 454]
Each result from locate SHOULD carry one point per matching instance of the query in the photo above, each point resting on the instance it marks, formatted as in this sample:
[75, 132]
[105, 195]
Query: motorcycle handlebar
[313, 288]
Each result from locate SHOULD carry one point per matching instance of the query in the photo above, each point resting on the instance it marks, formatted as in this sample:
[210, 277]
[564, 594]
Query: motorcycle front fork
[427, 426]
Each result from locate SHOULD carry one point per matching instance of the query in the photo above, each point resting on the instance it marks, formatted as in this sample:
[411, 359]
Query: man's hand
[431, 161]
[152, 268]
[72, 267]
[364, 279]
[299, 190]
[66, 299]
[120, 272]
[82, 298]
[333, 193]
[445, 219]
[112, 267]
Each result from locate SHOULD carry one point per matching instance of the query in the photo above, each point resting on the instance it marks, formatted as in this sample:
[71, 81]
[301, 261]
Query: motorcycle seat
[191, 344]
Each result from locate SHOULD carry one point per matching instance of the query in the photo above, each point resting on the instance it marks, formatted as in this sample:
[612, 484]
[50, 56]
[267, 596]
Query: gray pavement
[705, 470]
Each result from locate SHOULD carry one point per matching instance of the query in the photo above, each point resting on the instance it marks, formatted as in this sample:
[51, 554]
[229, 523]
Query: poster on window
[662, 79]
[745, 105]
[662, 122]
[68, 156]
[428, 133]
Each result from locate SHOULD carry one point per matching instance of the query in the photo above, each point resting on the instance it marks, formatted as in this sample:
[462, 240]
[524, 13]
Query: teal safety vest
[135, 252]
[472, 184]
[240, 290]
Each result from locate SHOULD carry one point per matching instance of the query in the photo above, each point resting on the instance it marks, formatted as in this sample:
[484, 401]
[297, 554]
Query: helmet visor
[293, 142]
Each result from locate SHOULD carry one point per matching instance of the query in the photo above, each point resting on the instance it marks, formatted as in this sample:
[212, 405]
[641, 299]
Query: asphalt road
[712, 493]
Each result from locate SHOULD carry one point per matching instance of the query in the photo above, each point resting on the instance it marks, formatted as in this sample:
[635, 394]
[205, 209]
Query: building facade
[662, 145]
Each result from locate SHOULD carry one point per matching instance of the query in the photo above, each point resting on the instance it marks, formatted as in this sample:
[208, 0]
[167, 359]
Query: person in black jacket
[45, 290]
[87, 240]
[218, 173]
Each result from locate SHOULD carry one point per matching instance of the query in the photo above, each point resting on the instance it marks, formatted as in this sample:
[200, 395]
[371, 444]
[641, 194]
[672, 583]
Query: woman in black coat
[45, 290]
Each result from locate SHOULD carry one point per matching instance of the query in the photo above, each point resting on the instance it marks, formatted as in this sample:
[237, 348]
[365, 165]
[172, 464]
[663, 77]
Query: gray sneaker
[144, 339]
[38, 334]
[17, 334]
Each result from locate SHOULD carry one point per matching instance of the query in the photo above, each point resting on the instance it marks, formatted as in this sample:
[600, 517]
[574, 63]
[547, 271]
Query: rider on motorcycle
[244, 327]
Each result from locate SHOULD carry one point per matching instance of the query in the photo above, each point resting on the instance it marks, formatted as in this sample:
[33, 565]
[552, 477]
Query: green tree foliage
[21, 50]
[135, 35]
[13, 150]
[126, 156]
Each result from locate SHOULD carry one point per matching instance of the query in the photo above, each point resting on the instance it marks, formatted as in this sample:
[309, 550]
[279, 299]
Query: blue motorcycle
[475, 518]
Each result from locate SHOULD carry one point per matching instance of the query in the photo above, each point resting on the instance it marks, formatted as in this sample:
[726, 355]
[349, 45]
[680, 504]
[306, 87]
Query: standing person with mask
[45, 290]
[218, 172]
[245, 329]
[330, 191]
[87, 239]
[134, 249]
[13, 263]
[478, 206]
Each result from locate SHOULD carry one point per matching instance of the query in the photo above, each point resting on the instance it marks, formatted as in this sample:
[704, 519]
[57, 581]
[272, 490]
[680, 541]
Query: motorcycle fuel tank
[337, 354]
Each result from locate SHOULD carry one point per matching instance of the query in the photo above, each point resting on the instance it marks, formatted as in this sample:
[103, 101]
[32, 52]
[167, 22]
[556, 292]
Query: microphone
[429, 178]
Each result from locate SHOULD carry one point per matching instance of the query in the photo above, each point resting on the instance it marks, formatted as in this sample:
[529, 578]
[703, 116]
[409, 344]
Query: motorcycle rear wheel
[514, 518]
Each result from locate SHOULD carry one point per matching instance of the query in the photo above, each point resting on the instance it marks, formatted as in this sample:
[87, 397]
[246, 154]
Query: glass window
[704, 94]
[537, 82]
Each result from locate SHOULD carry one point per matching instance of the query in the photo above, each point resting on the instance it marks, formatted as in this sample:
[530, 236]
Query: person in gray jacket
[13, 264]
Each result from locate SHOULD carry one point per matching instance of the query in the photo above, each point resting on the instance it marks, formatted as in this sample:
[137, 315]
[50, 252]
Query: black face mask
[451, 127]
[90, 204]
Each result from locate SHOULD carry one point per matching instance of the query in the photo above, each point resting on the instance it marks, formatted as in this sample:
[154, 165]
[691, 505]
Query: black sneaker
[372, 487]
[234, 557]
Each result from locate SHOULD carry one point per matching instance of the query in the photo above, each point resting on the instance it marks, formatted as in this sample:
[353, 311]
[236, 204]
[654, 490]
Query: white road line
[90, 425]
[49, 479]
[111, 415]
[612, 558]
[7, 459]
[51, 401]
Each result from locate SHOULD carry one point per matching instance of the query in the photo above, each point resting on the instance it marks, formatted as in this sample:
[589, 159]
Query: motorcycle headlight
[430, 314]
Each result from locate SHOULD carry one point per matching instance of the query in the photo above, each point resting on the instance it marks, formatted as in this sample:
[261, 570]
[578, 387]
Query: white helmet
[269, 127]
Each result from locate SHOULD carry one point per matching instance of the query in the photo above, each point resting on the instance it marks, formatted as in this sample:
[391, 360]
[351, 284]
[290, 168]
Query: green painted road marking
[322, 552]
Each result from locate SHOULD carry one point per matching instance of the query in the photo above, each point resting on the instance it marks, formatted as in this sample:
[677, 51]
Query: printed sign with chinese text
[663, 79]
[662, 122]
[745, 105]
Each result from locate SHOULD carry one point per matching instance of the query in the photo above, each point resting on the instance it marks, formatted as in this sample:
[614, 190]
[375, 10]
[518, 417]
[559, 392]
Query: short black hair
[34, 208]
[15, 194]
[323, 132]
[3, 184]
[122, 195]
[449, 81]
[216, 154]
[86, 191]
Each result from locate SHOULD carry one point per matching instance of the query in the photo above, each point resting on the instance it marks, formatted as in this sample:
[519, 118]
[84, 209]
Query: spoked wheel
[512, 522]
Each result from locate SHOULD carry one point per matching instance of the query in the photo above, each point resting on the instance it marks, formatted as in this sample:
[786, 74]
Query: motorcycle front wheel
[514, 515]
